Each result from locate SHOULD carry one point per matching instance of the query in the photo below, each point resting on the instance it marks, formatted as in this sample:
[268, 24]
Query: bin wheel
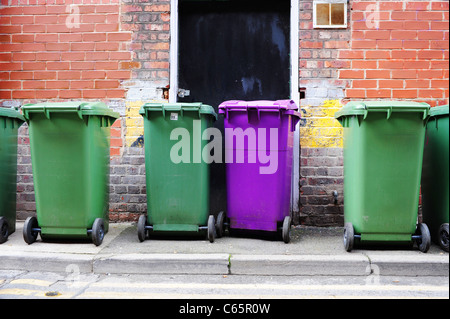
[286, 231]
[219, 224]
[424, 240]
[98, 231]
[443, 237]
[211, 229]
[141, 228]
[349, 237]
[4, 230]
[30, 235]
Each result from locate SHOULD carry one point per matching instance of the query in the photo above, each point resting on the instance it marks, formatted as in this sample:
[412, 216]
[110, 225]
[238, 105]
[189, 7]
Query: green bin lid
[178, 107]
[81, 108]
[11, 113]
[364, 107]
[439, 110]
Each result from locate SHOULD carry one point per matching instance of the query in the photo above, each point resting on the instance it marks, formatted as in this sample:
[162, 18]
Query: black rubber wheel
[29, 235]
[4, 230]
[211, 229]
[286, 231]
[424, 242]
[142, 233]
[349, 237]
[443, 237]
[219, 224]
[98, 231]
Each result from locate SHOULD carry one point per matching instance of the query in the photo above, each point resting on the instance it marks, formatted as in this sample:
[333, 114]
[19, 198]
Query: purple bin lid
[262, 105]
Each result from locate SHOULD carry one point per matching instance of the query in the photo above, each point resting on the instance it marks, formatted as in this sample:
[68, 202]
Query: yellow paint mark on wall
[319, 128]
[134, 121]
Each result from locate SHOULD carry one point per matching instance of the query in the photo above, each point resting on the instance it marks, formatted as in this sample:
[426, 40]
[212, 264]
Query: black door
[233, 50]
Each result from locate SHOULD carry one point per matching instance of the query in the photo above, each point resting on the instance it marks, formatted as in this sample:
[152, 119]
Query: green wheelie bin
[10, 121]
[177, 173]
[435, 175]
[383, 153]
[70, 145]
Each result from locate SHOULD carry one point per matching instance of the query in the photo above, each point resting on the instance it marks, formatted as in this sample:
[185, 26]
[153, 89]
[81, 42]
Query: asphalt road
[231, 289]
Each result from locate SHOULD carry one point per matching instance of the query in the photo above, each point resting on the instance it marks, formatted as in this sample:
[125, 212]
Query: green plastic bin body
[435, 177]
[70, 146]
[10, 121]
[383, 149]
[177, 188]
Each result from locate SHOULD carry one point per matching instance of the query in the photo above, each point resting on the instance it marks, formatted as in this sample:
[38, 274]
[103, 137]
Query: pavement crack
[369, 268]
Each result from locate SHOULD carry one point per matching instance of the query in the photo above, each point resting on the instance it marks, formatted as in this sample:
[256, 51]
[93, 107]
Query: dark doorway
[233, 50]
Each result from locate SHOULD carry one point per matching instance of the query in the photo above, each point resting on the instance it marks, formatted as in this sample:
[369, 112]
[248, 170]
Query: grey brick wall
[26, 205]
[321, 173]
[128, 198]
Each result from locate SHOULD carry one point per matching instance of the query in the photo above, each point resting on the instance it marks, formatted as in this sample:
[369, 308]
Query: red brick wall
[55, 49]
[398, 50]
[319, 63]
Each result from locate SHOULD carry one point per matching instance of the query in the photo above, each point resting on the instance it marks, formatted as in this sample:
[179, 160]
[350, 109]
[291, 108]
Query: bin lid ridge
[363, 107]
[178, 107]
[80, 107]
[11, 113]
[439, 110]
[259, 104]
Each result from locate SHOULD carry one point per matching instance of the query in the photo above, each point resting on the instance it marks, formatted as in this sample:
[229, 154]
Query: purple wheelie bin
[259, 140]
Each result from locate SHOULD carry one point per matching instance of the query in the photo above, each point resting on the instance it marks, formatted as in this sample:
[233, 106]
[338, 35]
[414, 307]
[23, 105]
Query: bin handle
[66, 109]
[147, 112]
[266, 109]
[388, 109]
[48, 109]
[253, 108]
[183, 108]
[295, 118]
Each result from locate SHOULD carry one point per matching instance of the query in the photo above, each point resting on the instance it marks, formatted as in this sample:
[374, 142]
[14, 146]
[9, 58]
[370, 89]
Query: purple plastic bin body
[259, 186]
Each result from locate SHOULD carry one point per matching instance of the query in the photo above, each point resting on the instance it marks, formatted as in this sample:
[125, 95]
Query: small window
[330, 14]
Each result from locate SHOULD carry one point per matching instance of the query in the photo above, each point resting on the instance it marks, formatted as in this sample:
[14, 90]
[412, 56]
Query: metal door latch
[182, 93]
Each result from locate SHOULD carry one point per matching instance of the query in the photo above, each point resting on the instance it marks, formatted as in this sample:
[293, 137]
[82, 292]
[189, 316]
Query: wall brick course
[414, 31]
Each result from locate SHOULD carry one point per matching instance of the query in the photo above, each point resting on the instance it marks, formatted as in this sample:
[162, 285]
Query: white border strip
[173, 51]
[295, 95]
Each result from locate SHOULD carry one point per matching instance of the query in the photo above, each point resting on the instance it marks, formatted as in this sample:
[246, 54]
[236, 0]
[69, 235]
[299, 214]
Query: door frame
[294, 89]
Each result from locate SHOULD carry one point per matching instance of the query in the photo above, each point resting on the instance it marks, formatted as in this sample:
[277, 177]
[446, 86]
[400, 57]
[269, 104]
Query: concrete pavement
[312, 251]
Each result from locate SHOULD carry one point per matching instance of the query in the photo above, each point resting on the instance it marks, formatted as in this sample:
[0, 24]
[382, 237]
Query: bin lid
[11, 113]
[364, 107]
[261, 105]
[178, 107]
[439, 110]
[79, 107]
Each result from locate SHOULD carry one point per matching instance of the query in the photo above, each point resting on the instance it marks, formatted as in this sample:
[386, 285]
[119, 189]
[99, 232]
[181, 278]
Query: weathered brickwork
[321, 170]
[319, 63]
[149, 21]
[322, 173]
[118, 51]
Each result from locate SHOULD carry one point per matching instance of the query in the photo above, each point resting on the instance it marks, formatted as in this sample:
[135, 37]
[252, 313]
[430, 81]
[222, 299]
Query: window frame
[330, 2]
